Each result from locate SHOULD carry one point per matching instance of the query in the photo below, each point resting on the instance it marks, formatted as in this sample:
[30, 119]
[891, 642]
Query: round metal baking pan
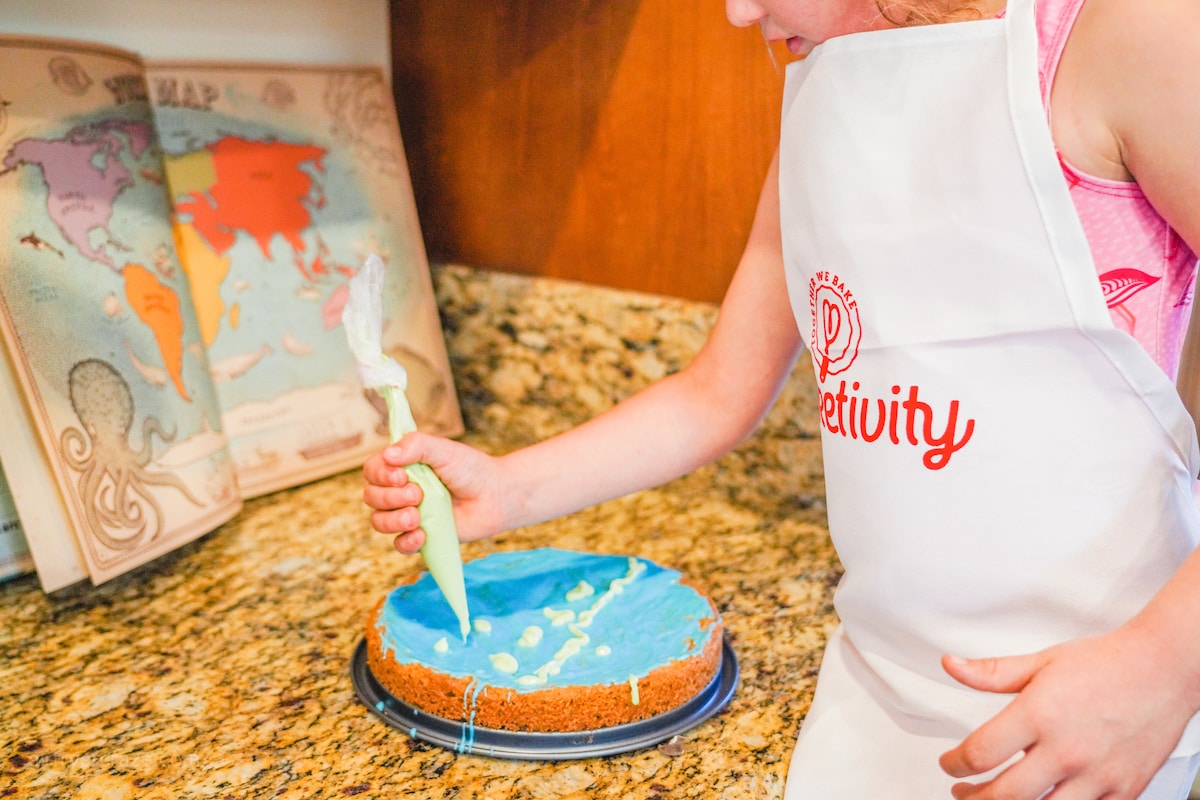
[474, 740]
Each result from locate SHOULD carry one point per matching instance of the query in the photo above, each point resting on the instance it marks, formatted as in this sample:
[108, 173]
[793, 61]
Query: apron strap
[1187, 382]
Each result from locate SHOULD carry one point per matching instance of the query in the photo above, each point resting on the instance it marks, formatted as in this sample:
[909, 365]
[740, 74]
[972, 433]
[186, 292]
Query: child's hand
[469, 474]
[1095, 718]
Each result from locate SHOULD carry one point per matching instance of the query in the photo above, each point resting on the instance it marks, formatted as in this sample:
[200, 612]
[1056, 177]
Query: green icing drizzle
[559, 618]
[578, 639]
[584, 589]
[504, 662]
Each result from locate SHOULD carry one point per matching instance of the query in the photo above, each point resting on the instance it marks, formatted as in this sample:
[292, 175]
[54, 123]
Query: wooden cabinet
[618, 142]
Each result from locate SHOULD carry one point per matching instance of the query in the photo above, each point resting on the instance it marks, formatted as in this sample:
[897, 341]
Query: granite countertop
[222, 670]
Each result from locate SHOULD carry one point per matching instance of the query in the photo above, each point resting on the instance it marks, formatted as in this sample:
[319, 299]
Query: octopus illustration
[114, 483]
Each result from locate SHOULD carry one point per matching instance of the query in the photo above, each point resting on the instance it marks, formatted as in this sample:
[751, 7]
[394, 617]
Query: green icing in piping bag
[362, 317]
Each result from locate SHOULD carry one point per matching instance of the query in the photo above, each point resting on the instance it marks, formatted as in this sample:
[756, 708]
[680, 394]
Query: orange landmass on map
[206, 272]
[259, 189]
[158, 307]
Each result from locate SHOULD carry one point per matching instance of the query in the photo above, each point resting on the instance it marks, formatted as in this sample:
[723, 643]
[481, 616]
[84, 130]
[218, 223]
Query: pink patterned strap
[1055, 19]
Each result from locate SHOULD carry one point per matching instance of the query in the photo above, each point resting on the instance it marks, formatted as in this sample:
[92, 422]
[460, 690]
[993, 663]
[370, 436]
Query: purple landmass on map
[140, 134]
[83, 177]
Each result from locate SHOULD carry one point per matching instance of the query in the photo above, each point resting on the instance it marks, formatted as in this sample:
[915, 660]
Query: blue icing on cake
[602, 620]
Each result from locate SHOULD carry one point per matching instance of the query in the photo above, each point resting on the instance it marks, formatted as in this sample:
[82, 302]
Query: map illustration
[97, 315]
[176, 245]
[283, 180]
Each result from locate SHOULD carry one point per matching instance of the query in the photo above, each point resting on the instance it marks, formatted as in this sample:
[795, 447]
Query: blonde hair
[904, 13]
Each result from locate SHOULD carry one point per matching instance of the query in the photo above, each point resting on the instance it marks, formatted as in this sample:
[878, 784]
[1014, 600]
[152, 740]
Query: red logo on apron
[836, 328]
[903, 418]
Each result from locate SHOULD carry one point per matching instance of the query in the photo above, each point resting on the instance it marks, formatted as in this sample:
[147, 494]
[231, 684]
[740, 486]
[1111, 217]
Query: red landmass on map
[259, 189]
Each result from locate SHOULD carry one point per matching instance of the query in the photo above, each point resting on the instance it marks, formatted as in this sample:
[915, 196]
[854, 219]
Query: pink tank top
[1146, 270]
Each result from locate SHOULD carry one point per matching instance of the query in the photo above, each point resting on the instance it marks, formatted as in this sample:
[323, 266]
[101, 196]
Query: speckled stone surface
[222, 670]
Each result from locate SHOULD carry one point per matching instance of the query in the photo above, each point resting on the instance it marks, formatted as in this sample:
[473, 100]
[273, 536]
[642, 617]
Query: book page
[14, 550]
[283, 179]
[95, 311]
[54, 549]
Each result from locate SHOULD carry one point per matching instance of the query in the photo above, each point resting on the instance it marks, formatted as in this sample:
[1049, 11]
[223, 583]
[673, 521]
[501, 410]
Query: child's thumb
[413, 448]
[1002, 675]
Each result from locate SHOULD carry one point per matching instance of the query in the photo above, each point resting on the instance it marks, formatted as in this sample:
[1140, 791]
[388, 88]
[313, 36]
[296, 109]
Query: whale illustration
[227, 369]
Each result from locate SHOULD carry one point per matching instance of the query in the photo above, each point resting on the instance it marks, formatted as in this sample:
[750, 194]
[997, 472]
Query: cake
[561, 641]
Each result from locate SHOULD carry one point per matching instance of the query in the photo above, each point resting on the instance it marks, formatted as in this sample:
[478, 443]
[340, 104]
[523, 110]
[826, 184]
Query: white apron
[1005, 470]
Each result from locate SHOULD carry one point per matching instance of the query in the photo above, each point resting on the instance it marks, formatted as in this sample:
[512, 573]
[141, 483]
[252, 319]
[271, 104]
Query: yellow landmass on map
[158, 307]
[206, 271]
[191, 172]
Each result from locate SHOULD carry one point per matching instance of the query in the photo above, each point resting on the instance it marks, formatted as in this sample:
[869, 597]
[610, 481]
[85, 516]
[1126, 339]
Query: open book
[175, 242]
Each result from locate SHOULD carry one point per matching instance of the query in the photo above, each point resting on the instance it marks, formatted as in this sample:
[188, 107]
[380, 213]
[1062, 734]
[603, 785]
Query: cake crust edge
[551, 710]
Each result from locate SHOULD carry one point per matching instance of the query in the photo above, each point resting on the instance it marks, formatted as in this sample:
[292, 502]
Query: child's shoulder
[1120, 29]
[1125, 97]
[1127, 64]
[1148, 51]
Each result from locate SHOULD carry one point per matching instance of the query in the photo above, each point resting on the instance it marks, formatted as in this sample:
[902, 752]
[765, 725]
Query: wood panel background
[618, 142]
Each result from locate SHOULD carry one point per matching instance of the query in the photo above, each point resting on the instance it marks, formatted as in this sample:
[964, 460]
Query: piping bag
[362, 317]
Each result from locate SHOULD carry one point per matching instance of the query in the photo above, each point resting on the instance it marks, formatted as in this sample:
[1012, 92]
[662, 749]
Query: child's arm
[668, 429]
[1098, 717]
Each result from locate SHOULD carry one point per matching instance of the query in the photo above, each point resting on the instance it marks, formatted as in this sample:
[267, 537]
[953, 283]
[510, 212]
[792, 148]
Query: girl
[981, 221]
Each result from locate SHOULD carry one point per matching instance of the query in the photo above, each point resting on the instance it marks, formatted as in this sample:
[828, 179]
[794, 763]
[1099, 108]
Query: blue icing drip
[466, 741]
[512, 589]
